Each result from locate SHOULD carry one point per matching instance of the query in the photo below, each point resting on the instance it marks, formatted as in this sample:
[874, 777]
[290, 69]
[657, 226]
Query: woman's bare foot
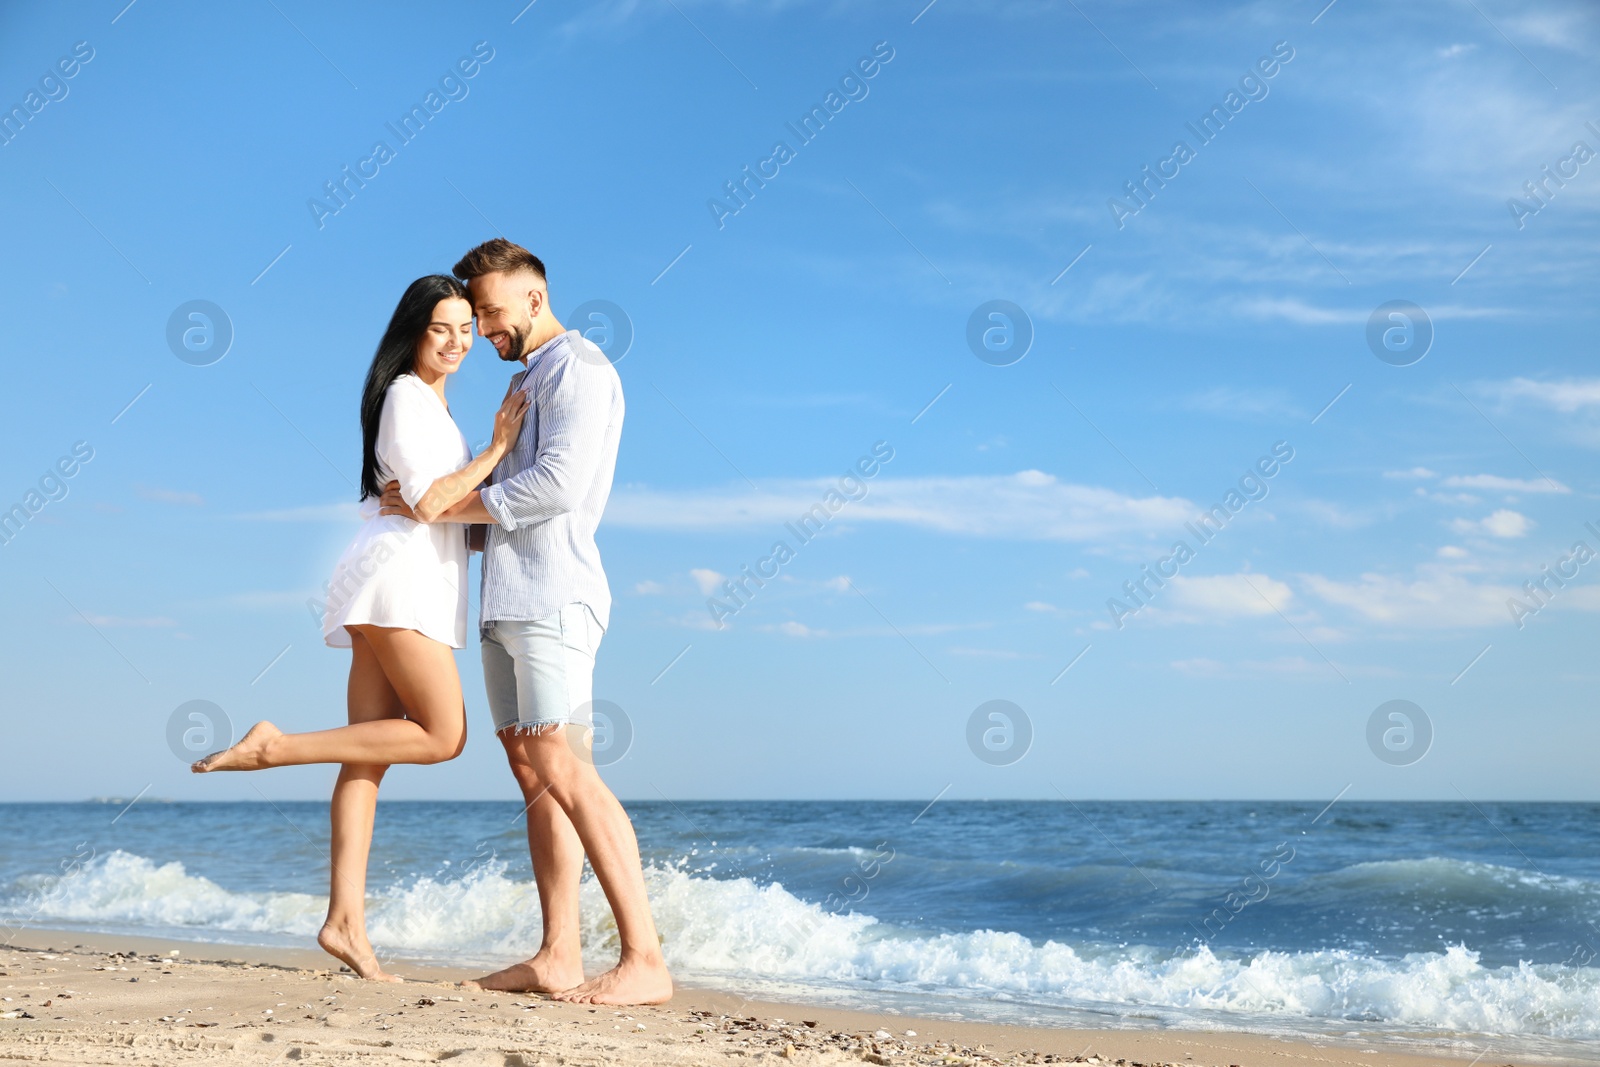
[353, 948]
[547, 972]
[630, 982]
[248, 755]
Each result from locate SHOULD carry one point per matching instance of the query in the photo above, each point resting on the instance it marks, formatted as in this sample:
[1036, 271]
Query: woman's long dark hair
[397, 355]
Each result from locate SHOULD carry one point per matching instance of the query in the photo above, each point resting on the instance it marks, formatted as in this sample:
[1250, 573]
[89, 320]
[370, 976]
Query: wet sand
[99, 999]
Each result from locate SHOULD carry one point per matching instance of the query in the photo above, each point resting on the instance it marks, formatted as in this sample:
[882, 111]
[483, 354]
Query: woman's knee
[445, 745]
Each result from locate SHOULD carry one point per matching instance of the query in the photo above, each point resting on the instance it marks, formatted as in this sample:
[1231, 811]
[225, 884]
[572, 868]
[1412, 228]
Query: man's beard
[516, 344]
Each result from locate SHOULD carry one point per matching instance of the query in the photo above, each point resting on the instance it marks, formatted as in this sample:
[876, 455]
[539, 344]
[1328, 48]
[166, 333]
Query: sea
[1466, 927]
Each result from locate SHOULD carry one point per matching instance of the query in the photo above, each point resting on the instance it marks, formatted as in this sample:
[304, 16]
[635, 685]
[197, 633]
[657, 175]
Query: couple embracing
[399, 603]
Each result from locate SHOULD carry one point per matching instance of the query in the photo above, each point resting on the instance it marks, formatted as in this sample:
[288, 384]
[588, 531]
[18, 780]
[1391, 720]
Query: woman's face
[448, 336]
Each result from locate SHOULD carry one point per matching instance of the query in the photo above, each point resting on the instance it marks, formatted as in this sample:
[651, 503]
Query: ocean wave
[735, 928]
[1444, 875]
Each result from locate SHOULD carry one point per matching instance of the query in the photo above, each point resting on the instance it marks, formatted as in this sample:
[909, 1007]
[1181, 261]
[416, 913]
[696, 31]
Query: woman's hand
[392, 503]
[508, 420]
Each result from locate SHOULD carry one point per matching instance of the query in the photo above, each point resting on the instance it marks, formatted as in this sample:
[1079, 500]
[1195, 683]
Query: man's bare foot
[629, 982]
[356, 952]
[541, 974]
[248, 755]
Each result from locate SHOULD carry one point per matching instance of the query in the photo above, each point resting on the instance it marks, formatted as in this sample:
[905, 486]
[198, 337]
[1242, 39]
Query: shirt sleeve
[404, 431]
[575, 404]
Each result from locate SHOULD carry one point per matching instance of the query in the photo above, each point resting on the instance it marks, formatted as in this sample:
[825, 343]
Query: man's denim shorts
[541, 674]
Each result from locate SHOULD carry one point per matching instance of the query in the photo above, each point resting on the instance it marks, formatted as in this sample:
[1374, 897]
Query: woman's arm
[445, 493]
[469, 509]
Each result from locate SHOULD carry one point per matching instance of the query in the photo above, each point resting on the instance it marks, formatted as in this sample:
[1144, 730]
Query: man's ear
[536, 300]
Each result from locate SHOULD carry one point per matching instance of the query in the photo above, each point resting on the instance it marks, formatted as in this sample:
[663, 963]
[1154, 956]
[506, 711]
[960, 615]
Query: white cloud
[1439, 599]
[1293, 309]
[1452, 552]
[1570, 29]
[838, 584]
[1040, 606]
[1414, 472]
[983, 653]
[143, 622]
[1200, 667]
[1509, 485]
[649, 588]
[1234, 402]
[698, 620]
[1567, 396]
[1298, 311]
[344, 512]
[1282, 666]
[1028, 505]
[707, 580]
[1231, 595]
[1503, 523]
[1327, 513]
[169, 496]
[794, 629]
[267, 599]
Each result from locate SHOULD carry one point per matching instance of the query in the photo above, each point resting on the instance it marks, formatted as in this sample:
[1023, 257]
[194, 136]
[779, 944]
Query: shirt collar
[533, 357]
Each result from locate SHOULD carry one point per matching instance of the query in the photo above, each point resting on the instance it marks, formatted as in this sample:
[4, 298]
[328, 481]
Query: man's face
[506, 305]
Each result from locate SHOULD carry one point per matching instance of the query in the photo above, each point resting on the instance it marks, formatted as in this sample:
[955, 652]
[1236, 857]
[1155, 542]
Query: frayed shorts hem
[539, 674]
[534, 729]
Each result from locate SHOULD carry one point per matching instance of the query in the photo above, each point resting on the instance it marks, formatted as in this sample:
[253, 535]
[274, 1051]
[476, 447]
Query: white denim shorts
[541, 673]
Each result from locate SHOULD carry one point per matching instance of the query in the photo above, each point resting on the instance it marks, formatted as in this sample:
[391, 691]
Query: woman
[398, 597]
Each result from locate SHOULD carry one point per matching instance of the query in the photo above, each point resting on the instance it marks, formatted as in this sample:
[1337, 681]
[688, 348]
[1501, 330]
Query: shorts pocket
[580, 631]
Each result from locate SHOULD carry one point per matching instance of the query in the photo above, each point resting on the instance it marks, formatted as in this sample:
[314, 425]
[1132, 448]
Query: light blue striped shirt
[548, 492]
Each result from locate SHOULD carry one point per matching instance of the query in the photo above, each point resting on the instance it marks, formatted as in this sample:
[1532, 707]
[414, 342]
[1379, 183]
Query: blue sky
[1172, 348]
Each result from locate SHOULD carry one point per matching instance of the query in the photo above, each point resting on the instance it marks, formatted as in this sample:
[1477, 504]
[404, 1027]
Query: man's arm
[574, 411]
[468, 509]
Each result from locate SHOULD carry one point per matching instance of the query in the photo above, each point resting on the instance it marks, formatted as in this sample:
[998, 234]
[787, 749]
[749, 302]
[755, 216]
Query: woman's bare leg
[422, 672]
[355, 802]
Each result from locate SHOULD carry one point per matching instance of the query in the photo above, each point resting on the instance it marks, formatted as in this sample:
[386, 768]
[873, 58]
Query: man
[545, 605]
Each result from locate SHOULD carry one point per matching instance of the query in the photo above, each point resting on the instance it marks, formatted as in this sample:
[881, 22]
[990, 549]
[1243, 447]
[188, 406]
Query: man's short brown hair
[497, 255]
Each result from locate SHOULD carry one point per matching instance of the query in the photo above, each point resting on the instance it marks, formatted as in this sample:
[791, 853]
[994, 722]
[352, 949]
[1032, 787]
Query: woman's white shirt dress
[398, 572]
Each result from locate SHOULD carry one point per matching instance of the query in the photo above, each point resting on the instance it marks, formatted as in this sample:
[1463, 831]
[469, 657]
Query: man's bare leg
[603, 827]
[557, 867]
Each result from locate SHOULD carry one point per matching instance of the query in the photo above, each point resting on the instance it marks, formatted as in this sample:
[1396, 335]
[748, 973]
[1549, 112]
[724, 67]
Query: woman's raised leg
[422, 672]
[355, 802]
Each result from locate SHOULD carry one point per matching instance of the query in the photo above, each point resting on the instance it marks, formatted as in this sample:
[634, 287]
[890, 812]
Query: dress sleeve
[404, 436]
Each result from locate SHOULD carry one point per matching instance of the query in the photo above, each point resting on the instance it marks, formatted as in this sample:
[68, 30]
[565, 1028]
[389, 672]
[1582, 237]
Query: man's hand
[391, 503]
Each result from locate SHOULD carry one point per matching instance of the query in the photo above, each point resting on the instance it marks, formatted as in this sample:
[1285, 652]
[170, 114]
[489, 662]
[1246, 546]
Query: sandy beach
[92, 999]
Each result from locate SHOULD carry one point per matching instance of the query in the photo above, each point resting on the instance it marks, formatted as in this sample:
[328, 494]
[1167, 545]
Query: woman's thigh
[370, 695]
[421, 672]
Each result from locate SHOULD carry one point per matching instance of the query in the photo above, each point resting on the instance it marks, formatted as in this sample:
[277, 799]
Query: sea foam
[734, 928]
